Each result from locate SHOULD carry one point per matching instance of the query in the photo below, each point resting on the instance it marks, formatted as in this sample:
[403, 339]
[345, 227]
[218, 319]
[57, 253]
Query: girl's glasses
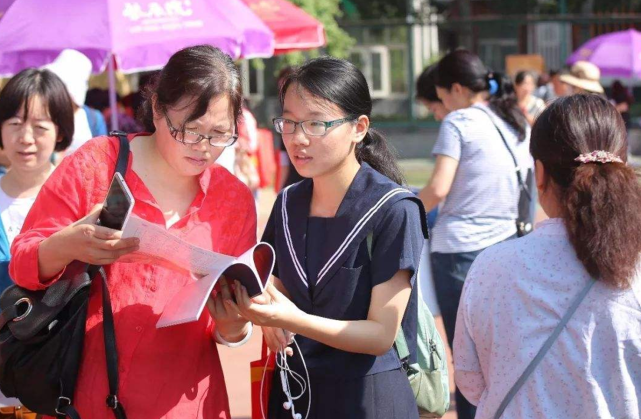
[310, 127]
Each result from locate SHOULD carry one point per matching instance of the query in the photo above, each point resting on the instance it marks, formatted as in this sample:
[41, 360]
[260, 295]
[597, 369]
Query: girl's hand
[229, 322]
[278, 339]
[263, 312]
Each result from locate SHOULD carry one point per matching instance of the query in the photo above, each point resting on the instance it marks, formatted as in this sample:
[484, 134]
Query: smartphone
[118, 204]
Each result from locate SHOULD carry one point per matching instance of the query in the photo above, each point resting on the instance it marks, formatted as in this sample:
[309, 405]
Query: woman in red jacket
[191, 115]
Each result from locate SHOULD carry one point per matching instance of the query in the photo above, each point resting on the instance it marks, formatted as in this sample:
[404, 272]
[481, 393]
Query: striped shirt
[481, 208]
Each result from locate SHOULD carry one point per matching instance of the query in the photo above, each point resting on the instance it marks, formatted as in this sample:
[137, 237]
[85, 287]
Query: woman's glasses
[190, 137]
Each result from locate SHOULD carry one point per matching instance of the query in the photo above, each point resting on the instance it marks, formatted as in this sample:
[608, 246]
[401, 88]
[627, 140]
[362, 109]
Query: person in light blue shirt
[474, 177]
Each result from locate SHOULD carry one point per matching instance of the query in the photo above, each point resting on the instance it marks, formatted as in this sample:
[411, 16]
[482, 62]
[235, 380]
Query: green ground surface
[417, 171]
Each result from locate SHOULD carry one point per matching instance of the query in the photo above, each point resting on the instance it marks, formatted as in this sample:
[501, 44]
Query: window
[374, 62]
[383, 58]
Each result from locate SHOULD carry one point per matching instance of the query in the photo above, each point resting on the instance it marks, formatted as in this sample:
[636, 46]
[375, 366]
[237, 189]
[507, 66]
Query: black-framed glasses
[191, 137]
[310, 127]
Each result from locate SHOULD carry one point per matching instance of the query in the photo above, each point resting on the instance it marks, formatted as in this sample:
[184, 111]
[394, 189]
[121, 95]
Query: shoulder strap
[109, 332]
[400, 343]
[123, 152]
[519, 177]
[544, 349]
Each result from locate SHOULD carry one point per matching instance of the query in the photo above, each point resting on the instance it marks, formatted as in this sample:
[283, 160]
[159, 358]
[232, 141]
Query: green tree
[339, 42]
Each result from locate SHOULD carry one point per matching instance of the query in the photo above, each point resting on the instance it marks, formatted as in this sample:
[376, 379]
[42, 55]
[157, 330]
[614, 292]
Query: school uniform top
[514, 297]
[173, 372]
[482, 206]
[333, 276]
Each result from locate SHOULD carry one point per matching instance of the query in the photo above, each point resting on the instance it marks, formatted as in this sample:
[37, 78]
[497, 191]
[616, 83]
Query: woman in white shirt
[517, 292]
[36, 119]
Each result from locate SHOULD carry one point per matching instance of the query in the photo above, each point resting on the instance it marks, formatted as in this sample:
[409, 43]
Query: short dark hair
[426, 85]
[51, 91]
[203, 72]
[521, 75]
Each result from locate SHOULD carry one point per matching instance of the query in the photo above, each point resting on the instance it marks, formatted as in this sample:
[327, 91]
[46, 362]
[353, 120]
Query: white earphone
[285, 373]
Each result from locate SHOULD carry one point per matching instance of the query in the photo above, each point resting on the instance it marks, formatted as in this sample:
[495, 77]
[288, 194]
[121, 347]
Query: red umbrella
[293, 28]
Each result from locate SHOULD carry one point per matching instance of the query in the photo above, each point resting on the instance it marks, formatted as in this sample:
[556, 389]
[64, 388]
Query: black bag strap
[111, 352]
[519, 177]
[65, 408]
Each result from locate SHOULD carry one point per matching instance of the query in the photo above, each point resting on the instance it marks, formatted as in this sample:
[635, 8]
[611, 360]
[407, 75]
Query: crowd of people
[542, 323]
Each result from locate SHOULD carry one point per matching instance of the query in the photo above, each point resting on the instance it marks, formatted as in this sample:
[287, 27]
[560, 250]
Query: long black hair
[467, 69]
[341, 83]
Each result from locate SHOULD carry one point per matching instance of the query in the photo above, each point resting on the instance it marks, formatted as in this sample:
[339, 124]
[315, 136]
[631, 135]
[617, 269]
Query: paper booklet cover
[158, 246]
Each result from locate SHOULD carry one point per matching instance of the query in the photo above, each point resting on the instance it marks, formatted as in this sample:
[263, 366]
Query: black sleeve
[269, 234]
[397, 242]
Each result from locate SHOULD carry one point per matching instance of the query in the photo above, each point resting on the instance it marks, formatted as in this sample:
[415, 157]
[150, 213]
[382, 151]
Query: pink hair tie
[599, 156]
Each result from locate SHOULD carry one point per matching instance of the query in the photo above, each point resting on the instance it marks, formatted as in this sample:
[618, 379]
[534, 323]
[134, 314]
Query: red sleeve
[248, 234]
[77, 184]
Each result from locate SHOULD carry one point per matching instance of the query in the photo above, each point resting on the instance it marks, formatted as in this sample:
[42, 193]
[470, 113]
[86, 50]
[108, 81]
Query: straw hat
[584, 75]
[74, 69]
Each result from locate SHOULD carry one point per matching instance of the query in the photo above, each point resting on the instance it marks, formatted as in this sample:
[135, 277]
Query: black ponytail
[503, 102]
[374, 151]
[467, 69]
[341, 83]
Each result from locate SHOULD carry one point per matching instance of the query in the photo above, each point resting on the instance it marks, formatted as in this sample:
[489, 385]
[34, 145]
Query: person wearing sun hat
[74, 69]
[584, 77]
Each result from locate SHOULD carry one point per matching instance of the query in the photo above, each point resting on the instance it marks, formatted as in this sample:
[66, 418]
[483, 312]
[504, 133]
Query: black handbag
[42, 335]
[525, 218]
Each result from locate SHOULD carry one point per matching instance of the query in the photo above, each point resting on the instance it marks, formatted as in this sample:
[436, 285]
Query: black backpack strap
[123, 152]
[111, 352]
[69, 375]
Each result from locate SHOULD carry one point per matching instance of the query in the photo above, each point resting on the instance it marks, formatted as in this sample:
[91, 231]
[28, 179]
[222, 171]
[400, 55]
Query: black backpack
[42, 335]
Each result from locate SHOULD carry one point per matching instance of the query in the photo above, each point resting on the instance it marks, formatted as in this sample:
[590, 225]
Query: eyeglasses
[310, 127]
[190, 137]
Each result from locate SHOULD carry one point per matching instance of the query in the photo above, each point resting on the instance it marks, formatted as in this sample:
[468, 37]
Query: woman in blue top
[348, 241]
[36, 119]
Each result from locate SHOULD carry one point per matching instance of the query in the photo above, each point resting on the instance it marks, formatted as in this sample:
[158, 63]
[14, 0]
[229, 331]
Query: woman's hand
[230, 325]
[271, 308]
[84, 241]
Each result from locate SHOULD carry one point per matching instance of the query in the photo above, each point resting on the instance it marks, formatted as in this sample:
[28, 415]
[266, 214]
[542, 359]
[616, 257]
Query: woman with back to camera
[517, 292]
[474, 174]
[191, 115]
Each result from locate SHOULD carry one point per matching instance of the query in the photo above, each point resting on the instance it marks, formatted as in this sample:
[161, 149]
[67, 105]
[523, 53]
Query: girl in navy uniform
[348, 240]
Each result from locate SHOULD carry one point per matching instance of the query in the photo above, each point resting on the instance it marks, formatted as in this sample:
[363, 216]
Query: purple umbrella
[4, 5]
[140, 34]
[617, 54]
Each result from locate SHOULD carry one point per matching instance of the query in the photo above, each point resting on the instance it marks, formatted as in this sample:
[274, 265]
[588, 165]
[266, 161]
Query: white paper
[160, 247]
[158, 243]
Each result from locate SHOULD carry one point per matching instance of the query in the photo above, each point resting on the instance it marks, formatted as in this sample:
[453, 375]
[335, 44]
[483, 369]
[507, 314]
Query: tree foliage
[339, 42]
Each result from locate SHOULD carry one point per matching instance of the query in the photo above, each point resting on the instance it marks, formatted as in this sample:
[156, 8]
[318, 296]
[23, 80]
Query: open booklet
[158, 246]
